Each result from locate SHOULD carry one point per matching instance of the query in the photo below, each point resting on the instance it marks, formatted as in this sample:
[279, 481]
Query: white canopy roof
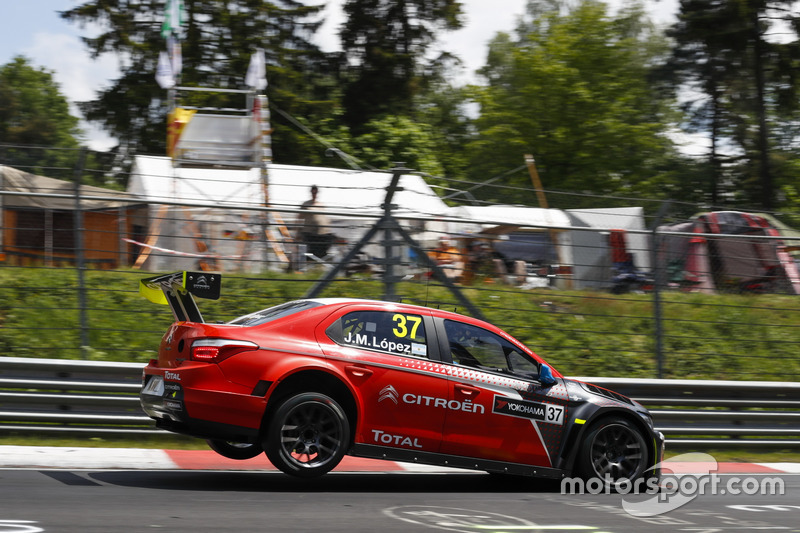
[154, 179]
[511, 215]
[609, 218]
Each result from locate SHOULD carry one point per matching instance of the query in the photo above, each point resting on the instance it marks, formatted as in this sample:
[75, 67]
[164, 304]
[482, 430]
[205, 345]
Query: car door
[505, 414]
[402, 390]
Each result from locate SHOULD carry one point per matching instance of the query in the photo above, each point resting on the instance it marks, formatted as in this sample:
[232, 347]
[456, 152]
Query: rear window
[274, 313]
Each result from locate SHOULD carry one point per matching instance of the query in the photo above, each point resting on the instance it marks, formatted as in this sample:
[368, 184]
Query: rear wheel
[235, 450]
[613, 451]
[308, 435]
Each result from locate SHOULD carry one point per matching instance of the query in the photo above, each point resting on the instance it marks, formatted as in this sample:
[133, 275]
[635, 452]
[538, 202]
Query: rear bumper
[199, 412]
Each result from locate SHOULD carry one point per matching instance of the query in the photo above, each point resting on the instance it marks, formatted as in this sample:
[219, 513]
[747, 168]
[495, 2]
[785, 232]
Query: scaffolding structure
[232, 138]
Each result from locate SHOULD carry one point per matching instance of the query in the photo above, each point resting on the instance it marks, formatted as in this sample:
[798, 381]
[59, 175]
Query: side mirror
[546, 376]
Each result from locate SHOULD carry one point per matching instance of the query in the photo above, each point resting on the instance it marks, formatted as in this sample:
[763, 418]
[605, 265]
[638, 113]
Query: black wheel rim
[311, 435]
[617, 453]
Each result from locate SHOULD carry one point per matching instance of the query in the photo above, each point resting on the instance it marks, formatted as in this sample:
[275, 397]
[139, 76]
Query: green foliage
[743, 83]
[580, 333]
[34, 112]
[392, 139]
[791, 194]
[32, 108]
[443, 108]
[386, 44]
[573, 90]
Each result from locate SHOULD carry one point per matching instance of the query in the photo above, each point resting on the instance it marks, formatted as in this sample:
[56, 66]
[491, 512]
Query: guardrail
[101, 399]
[712, 413]
[72, 397]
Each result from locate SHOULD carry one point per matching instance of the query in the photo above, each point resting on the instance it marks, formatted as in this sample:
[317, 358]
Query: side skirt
[454, 461]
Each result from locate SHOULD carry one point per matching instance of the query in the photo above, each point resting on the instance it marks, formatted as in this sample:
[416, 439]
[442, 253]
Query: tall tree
[573, 89]
[385, 43]
[34, 115]
[699, 65]
[219, 38]
[32, 108]
[743, 82]
[445, 107]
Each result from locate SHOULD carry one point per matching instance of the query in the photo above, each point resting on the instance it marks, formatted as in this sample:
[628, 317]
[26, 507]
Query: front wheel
[613, 451]
[307, 436]
[235, 450]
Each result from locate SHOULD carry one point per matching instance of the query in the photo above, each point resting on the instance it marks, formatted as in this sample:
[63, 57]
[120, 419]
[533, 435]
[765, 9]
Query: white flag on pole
[164, 73]
[257, 71]
[174, 14]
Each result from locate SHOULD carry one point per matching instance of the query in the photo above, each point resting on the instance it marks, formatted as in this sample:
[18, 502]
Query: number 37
[402, 325]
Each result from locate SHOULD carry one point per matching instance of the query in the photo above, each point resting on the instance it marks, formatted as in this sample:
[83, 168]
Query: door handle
[358, 371]
[467, 390]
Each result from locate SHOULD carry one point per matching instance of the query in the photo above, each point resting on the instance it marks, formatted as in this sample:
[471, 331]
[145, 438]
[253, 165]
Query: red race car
[310, 381]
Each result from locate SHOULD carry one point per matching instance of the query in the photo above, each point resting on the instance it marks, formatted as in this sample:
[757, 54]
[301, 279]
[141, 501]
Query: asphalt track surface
[363, 497]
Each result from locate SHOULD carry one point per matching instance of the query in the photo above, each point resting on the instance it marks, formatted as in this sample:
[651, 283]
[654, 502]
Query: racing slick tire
[613, 451]
[235, 450]
[308, 435]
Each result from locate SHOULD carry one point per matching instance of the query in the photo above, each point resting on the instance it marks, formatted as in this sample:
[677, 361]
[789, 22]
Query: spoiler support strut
[178, 290]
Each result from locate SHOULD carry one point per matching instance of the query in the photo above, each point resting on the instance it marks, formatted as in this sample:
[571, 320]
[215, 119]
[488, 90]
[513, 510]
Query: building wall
[40, 236]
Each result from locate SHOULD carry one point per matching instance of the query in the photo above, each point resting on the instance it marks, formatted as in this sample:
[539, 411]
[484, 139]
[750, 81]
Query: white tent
[590, 249]
[344, 190]
[534, 235]
[512, 215]
[217, 204]
[540, 235]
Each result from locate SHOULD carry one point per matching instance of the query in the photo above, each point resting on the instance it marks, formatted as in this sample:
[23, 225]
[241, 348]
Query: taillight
[217, 350]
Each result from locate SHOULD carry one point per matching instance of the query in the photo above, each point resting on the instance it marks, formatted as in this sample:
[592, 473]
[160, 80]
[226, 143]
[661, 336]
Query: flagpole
[171, 31]
[256, 79]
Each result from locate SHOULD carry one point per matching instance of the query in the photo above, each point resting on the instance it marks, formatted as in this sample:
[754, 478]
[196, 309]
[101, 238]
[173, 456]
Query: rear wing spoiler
[177, 290]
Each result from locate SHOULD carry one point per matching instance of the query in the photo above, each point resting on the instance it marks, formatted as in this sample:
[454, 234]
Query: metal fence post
[658, 280]
[80, 263]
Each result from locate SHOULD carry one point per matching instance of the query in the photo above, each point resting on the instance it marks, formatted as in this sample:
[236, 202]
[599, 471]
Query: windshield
[274, 313]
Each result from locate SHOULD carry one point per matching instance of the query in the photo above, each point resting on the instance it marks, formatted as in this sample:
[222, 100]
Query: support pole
[80, 263]
[537, 183]
[323, 282]
[389, 225]
[440, 274]
[658, 282]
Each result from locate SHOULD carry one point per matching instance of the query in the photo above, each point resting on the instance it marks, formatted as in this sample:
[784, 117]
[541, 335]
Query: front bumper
[659, 445]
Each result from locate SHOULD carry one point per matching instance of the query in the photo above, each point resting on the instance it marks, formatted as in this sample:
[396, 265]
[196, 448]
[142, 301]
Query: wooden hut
[39, 216]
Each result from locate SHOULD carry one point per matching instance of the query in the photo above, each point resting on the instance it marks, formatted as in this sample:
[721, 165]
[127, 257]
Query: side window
[478, 348]
[396, 333]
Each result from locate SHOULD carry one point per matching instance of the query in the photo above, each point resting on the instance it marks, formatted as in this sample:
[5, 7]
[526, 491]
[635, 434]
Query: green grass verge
[581, 333]
[165, 442]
